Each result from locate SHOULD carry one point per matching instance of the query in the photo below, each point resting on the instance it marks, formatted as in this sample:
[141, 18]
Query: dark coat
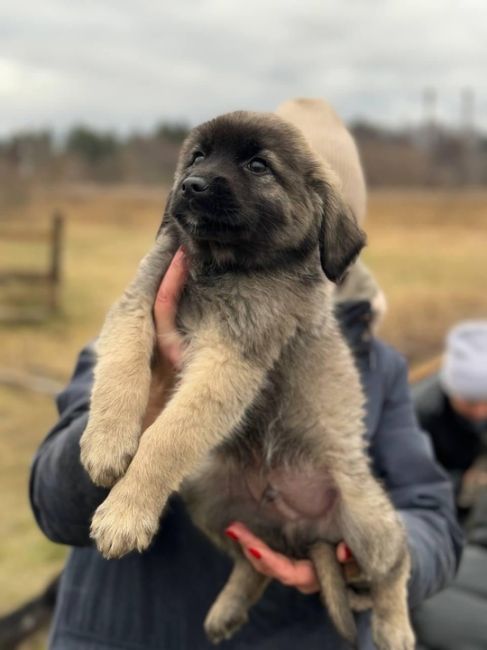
[455, 442]
[158, 600]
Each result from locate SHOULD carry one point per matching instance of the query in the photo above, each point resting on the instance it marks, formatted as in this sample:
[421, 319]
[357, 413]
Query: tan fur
[265, 423]
[334, 591]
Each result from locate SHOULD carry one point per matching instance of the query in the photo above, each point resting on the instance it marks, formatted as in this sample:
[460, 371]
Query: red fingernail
[229, 533]
[348, 553]
[255, 553]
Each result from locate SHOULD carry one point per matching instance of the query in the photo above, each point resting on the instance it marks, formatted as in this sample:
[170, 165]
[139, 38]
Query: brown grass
[428, 251]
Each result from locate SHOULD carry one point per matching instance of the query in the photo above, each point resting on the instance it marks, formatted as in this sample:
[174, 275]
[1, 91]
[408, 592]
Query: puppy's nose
[194, 185]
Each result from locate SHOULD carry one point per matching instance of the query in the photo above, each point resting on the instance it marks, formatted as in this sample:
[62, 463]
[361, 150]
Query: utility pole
[430, 101]
[429, 133]
[468, 136]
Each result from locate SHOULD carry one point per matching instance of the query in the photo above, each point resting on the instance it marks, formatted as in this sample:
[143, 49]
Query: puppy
[265, 423]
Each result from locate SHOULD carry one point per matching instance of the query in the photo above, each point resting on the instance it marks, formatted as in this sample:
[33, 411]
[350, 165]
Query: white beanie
[464, 370]
[329, 137]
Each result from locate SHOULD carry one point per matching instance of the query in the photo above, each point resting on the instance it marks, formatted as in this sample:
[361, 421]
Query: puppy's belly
[287, 507]
[290, 494]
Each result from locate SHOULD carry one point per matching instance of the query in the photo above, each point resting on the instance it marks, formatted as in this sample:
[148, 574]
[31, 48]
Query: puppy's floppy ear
[340, 237]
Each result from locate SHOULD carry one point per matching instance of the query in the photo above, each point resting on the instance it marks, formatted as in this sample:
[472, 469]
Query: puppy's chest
[240, 308]
[246, 309]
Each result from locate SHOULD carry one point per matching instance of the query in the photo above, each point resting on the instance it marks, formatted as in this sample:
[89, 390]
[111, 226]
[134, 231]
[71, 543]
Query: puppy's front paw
[121, 524]
[223, 621]
[106, 451]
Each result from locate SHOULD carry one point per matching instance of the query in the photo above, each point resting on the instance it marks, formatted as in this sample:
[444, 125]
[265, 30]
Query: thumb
[169, 341]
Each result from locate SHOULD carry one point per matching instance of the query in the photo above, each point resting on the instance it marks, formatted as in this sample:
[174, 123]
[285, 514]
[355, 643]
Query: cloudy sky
[128, 64]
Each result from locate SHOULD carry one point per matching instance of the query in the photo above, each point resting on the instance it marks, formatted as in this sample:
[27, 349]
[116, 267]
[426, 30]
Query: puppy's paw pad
[119, 527]
[220, 627]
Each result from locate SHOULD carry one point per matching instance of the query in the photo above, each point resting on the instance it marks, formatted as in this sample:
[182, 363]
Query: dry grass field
[428, 251]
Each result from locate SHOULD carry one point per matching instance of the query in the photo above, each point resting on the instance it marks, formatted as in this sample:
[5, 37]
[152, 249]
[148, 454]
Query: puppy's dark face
[248, 184]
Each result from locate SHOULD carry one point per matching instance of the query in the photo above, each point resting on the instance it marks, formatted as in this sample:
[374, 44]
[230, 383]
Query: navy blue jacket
[158, 600]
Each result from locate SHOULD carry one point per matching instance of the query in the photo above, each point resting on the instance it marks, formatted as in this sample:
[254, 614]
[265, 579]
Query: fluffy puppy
[265, 423]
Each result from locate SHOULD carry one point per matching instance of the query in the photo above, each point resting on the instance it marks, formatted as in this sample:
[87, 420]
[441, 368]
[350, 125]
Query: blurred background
[95, 100]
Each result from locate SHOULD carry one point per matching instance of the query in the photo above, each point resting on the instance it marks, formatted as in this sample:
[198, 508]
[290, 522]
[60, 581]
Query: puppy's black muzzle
[206, 208]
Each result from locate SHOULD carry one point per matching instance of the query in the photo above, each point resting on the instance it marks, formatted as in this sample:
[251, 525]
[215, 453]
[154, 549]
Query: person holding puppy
[159, 599]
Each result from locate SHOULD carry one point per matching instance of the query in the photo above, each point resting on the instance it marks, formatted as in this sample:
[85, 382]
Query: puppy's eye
[258, 166]
[198, 157]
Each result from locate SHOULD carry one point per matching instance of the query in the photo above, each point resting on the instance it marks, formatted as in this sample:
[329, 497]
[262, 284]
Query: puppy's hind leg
[375, 534]
[230, 610]
[122, 373]
[334, 590]
[391, 628]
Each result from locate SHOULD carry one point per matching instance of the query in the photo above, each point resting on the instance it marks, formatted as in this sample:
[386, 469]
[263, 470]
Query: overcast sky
[126, 65]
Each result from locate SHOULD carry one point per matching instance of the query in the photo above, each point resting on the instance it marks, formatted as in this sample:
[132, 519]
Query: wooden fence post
[57, 244]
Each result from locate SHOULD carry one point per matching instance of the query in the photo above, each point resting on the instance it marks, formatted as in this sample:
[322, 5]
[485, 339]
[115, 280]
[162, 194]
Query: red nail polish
[255, 553]
[229, 533]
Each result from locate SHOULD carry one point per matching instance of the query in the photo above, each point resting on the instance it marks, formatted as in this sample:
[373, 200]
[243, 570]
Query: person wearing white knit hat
[451, 406]
[464, 371]
[158, 599]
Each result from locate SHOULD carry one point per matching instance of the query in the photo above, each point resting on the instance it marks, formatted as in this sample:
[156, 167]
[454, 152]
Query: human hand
[169, 343]
[168, 340]
[292, 573]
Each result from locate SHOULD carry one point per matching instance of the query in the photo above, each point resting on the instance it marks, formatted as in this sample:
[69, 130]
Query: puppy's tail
[334, 590]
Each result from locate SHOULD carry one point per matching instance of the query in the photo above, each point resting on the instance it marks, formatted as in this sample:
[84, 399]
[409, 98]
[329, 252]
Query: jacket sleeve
[62, 496]
[417, 486]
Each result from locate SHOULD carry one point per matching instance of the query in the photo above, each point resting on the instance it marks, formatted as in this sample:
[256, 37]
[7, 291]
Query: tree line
[86, 154]
[429, 155]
